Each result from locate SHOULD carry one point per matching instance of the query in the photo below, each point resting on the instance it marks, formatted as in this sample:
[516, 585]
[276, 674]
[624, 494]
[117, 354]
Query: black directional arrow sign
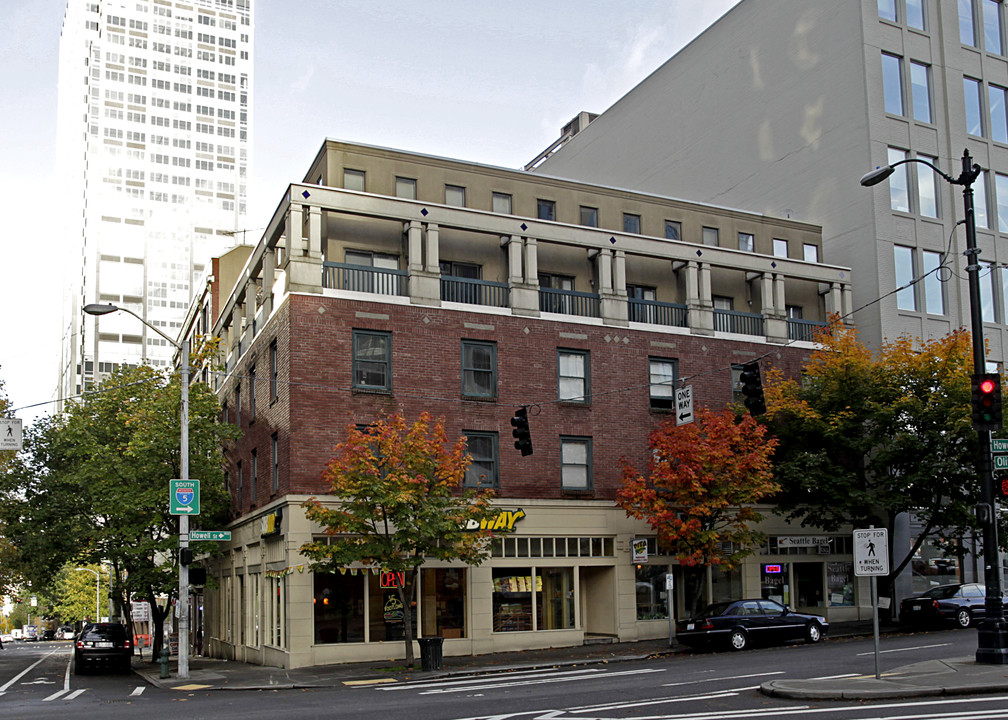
[684, 405]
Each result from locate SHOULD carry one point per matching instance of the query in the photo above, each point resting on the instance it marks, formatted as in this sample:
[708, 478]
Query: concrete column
[698, 298]
[424, 271]
[619, 272]
[268, 278]
[774, 317]
[523, 276]
[612, 302]
[780, 303]
[314, 232]
[766, 294]
[414, 237]
[433, 254]
[847, 305]
[532, 262]
[514, 251]
[293, 232]
[605, 270]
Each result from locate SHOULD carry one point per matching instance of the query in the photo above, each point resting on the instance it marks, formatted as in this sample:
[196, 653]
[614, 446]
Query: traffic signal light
[986, 402]
[752, 388]
[521, 432]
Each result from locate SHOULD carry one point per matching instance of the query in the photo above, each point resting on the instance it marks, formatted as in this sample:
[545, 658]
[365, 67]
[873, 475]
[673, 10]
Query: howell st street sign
[224, 535]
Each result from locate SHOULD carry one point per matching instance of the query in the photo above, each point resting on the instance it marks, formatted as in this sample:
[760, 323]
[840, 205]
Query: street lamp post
[183, 569]
[992, 632]
[97, 593]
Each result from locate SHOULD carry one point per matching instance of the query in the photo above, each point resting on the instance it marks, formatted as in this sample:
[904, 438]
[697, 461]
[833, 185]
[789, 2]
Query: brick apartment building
[392, 281]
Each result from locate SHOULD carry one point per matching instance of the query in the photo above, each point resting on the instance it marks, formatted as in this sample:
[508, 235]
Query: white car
[6, 637]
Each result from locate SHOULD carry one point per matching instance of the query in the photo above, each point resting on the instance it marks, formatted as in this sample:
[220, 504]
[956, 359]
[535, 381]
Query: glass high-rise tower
[153, 138]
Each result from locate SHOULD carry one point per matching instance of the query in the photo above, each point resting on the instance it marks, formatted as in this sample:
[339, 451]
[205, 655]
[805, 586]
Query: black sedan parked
[960, 604]
[739, 623]
[103, 644]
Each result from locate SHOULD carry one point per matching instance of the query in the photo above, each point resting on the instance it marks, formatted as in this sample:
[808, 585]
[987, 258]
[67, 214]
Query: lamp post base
[992, 642]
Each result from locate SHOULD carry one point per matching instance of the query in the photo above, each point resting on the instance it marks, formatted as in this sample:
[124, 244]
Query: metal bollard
[163, 658]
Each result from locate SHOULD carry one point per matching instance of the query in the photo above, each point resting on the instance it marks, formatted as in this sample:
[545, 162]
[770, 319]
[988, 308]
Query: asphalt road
[36, 682]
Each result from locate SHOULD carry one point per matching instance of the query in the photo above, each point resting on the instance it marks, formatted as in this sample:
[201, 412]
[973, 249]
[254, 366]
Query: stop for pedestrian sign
[184, 497]
[871, 552]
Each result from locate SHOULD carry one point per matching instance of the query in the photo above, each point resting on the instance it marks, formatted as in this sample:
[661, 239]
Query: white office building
[782, 105]
[154, 147]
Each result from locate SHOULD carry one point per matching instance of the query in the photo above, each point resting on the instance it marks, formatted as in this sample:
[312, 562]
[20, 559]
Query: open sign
[393, 579]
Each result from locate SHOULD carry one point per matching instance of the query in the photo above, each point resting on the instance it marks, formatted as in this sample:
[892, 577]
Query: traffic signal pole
[992, 633]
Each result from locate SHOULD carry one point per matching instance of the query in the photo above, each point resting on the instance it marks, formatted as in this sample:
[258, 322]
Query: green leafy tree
[398, 500]
[698, 493]
[76, 592]
[866, 437]
[93, 486]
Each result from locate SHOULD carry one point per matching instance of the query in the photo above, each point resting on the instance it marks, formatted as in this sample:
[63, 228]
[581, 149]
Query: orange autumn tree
[698, 493]
[398, 499]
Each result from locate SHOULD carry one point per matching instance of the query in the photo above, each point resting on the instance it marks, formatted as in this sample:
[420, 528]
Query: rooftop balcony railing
[569, 302]
[656, 312]
[474, 292]
[741, 323]
[803, 329]
[363, 278]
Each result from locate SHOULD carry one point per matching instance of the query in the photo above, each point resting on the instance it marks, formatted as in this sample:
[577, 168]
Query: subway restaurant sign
[504, 520]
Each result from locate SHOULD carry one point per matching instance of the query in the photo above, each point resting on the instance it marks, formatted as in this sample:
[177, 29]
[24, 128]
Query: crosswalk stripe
[138, 690]
[54, 695]
[75, 693]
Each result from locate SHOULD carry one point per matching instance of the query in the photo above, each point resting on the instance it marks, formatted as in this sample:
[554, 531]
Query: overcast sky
[490, 82]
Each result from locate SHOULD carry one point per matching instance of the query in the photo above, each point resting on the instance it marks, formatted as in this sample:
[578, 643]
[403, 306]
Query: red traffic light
[987, 386]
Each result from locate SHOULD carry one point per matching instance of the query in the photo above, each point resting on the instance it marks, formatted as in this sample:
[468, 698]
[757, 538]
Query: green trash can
[431, 655]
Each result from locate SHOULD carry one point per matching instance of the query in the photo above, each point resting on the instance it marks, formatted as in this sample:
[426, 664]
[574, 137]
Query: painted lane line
[536, 681]
[138, 690]
[723, 679]
[716, 695]
[53, 696]
[919, 647]
[75, 693]
[836, 677]
[491, 677]
[24, 672]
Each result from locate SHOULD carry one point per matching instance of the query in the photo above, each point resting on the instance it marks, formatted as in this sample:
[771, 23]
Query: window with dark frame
[406, 188]
[455, 195]
[663, 373]
[275, 471]
[576, 463]
[673, 230]
[274, 370]
[574, 376]
[545, 209]
[372, 360]
[482, 446]
[479, 369]
[252, 392]
[631, 223]
[589, 216]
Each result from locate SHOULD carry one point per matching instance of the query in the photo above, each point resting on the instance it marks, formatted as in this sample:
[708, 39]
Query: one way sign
[684, 405]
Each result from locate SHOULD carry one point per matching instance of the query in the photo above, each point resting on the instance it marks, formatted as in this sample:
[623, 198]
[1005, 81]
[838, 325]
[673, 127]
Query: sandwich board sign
[871, 552]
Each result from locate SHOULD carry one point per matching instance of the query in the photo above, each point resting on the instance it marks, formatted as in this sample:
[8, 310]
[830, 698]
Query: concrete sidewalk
[959, 676]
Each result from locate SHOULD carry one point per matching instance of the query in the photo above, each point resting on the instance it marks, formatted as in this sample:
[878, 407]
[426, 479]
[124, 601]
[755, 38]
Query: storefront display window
[512, 599]
[443, 602]
[385, 612]
[774, 583]
[840, 584]
[339, 607]
[651, 597]
[726, 584]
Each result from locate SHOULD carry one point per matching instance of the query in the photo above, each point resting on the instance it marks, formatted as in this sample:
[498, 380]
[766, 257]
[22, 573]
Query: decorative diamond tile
[699, 253]
[306, 194]
[524, 226]
[424, 212]
[426, 320]
[526, 331]
[612, 239]
[607, 338]
[773, 264]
